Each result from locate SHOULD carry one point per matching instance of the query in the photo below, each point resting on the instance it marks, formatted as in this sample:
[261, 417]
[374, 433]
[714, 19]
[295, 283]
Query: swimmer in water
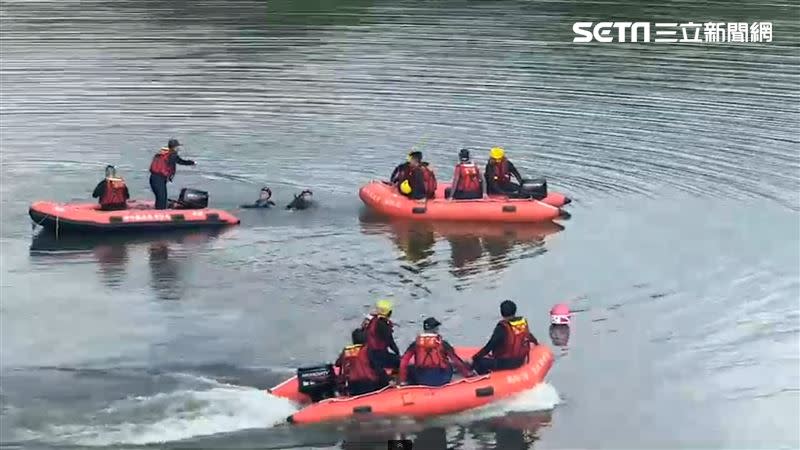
[263, 199]
[560, 316]
[301, 200]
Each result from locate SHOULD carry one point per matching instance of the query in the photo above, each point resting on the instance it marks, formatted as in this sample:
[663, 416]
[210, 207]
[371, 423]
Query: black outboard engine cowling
[318, 382]
[535, 188]
[193, 199]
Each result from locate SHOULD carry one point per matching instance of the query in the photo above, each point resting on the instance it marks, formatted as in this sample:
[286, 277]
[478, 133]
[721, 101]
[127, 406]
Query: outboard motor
[318, 382]
[535, 188]
[193, 199]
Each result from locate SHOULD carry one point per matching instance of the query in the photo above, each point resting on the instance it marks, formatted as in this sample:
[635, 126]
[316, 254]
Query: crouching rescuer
[359, 374]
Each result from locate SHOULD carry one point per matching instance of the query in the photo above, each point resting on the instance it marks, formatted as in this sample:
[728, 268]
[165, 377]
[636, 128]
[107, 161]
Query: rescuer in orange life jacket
[162, 170]
[359, 374]
[509, 345]
[112, 191]
[498, 174]
[380, 336]
[434, 358]
[467, 182]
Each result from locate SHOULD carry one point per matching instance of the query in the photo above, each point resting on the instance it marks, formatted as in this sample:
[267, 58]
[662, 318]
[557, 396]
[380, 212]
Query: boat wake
[175, 416]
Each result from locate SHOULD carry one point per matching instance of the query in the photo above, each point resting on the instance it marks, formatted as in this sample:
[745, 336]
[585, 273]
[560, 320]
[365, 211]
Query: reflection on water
[510, 431]
[559, 335]
[474, 247]
[165, 272]
[111, 253]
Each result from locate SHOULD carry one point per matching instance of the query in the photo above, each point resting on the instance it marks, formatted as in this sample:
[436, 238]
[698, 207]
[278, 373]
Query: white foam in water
[180, 415]
[542, 397]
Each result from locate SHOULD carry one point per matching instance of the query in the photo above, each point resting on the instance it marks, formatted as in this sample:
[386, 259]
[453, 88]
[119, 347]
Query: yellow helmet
[405, 187]
[497, 153]
[383, 306]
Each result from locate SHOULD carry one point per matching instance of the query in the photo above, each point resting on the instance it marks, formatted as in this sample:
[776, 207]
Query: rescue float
[385, 199]
[412, 401]
[189, 211]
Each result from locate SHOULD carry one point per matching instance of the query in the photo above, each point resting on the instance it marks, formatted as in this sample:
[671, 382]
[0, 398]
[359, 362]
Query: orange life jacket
[469, 178]
[429, 352]
[114, 193]
[517, 342]
[355, 364]
[375, 342]
[161, 165]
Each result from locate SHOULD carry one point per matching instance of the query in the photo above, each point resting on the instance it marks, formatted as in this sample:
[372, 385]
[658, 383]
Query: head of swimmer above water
[111, 171]
[265, 194]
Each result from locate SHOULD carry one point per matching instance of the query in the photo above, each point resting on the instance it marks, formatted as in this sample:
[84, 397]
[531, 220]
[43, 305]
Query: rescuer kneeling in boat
[359, 374]
[467, 182]
[498, 174]
[380, 336]
[112, 191]
[162, 170]
[509, 345]
[433, 357]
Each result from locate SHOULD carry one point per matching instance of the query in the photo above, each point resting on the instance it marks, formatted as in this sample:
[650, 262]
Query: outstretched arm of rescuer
[99, 189]
[405, 361]
[494, 342]
[176, 159]
[462, 367]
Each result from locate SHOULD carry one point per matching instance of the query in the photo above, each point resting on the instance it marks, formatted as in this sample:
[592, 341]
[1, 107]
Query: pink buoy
[560, 314]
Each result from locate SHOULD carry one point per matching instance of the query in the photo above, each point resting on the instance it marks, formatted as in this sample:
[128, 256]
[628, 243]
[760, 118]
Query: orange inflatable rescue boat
[385, 199]
[139, 216]
[422, 401]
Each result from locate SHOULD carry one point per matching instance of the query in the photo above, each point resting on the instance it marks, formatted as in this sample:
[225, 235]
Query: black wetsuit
[416, 180]
[399, 172]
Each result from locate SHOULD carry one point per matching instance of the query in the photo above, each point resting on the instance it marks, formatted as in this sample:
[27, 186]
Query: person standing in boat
[434, 358]
[509, 345]
[112, 192]
[499, 171]
[162, 170]
[467, 183]
[380, 336]
[359, 373]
